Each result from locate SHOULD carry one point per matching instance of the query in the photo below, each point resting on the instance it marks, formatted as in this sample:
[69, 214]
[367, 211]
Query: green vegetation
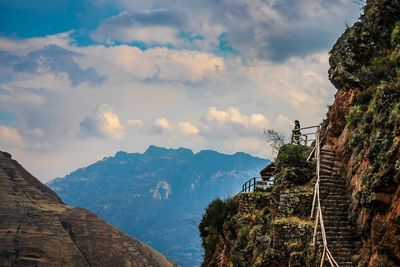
[374, 126]
[245, 235]
[293, 167]
[368, 52]
[367, 57]
[212, 223]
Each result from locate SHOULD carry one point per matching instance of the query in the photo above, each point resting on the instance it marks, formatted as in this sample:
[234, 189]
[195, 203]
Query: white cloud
[24, 46]
[283, 124]
[152, 65]
[231, 119]
[37, 132]
[134, 123]
[104, 123]
[188, 128]
[150, 26]
[10, 137]
[266, 29]
[161, 125]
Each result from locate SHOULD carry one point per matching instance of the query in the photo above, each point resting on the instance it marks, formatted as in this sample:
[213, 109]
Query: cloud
[134, 123]
[21, 47]
[232, 122]
[124, 62]
[149, 26]
[258, 29]
[161, 125]
[104, 123]
[48, 61]
[37, 132]
[188, 128]
[10, 137]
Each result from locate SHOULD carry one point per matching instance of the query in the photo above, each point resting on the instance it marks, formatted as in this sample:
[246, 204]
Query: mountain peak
[159, 151]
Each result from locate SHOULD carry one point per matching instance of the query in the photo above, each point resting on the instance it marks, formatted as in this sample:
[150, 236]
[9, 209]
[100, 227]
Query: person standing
[296, 131]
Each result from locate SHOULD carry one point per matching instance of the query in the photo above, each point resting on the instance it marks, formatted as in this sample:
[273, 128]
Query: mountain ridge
[164, 190]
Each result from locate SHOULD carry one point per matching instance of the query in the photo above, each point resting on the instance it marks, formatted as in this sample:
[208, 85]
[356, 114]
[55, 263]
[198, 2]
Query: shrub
[212, 223]
[292, 165]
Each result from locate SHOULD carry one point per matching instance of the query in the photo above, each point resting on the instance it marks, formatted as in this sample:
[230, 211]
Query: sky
[83, 79]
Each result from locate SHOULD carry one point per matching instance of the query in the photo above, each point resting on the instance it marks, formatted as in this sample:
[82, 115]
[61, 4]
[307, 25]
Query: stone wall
[249, 202]
[296, 201]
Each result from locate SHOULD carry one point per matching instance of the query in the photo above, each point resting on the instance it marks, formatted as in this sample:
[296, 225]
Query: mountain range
[158, 196]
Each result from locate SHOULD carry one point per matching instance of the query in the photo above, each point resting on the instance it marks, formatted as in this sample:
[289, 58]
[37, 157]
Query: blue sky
[80, 80]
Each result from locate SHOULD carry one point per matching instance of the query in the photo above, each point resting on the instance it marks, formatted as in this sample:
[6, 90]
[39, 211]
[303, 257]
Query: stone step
[335, 223]
[327, 199]
[333, 200]
[326, 169]
[324, 177]
[327, 151]
[332, 190]
[332, 184]
[339, 228]
[334, 214]
[348, 235]
[334, 205]
[329, 171]
[338, 245]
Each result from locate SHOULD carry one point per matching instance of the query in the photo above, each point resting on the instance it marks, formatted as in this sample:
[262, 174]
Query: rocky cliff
[360, 187]
[364, 128]
[37, 229]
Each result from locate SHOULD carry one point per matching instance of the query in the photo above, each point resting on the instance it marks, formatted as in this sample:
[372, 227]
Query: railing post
[254, 184]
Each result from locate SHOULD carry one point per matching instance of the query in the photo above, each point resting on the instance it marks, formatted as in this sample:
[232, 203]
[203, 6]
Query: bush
[292, 165]
[212, 223]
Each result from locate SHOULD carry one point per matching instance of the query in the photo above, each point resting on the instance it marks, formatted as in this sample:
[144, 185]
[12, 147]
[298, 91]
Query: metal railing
[256, 184]
[304, 136]
[316, 206]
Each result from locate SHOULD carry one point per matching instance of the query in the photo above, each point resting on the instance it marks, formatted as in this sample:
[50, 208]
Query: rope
[316, 200]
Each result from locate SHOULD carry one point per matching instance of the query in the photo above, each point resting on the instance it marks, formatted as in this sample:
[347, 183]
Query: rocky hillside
[364, 128]
[37, 229]
[263, 228]
[360, 168]
[158, 196]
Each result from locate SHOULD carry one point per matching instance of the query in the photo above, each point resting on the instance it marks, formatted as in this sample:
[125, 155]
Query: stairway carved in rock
[334, 197]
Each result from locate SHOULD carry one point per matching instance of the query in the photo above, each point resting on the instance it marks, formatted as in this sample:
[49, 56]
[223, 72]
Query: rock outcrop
[364, 128]
[37, 229]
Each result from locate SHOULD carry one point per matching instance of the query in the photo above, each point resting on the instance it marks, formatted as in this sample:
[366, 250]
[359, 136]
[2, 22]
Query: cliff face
[37, 229]
[364, 127]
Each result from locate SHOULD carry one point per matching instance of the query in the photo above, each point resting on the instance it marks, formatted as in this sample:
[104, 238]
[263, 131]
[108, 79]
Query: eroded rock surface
[37, 229]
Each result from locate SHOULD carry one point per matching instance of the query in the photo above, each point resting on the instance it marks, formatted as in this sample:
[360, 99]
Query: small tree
[275, 139]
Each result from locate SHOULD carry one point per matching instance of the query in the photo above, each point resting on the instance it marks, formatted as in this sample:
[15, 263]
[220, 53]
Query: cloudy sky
[82, 79]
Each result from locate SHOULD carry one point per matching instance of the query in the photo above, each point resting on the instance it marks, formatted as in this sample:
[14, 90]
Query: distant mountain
[37, 229]
[159, 196]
